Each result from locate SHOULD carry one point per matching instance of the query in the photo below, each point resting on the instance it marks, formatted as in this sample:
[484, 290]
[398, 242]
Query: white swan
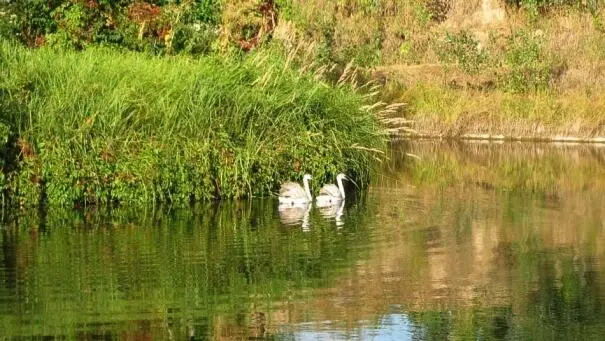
[330, 194]
[293, 193]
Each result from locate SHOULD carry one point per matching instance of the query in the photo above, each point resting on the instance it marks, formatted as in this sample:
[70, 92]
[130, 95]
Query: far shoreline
[502, 138]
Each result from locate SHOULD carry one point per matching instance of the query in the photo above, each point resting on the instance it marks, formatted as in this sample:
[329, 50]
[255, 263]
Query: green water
[460, 242]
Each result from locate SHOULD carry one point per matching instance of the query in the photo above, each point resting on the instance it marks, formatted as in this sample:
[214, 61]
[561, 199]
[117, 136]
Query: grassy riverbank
[513, 68]
[101, 126]
[518, 68]
[438, 110]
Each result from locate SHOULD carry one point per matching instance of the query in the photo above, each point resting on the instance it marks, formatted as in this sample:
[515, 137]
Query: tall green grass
[102, 126]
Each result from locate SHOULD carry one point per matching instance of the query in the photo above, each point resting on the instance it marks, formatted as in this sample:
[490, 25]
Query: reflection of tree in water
[497, 265]
[212, 270]
[567, 306]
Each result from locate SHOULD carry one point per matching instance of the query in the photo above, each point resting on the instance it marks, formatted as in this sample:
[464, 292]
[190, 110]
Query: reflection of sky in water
[391, 327]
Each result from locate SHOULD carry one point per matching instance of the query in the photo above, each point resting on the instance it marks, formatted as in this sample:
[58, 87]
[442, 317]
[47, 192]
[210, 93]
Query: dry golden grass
[440, 110]
[398, 39]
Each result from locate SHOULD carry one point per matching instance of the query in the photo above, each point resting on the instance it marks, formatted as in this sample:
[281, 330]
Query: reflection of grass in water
[525, 251]
[509, 167]
[520, 259]
[517, 262]
[206, 267]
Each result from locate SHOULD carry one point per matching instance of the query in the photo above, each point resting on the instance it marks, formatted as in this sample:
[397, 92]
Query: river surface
[459, 241]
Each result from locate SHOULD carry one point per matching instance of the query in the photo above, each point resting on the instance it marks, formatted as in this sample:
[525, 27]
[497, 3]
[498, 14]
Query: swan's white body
[331, 194]
[292, 193]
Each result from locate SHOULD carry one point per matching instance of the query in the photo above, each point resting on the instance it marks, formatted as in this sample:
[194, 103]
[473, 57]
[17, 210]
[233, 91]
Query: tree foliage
[157, 25]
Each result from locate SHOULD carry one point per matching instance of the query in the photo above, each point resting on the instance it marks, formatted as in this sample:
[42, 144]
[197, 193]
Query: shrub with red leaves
[141, 12]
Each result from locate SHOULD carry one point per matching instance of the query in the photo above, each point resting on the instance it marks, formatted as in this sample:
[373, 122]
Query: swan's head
[307, 177]
[341, 177]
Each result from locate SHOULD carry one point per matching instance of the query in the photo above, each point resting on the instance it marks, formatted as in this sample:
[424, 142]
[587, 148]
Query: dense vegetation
[100, 126]
[122, 101]
[168, 26]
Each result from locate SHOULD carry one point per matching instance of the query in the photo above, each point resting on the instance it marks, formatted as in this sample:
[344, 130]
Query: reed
[102, 126]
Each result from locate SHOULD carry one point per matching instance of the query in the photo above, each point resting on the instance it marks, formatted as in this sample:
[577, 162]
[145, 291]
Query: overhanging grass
[105, 126]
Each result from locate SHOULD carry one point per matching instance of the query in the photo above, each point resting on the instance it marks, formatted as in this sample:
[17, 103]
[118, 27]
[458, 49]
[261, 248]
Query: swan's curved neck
[307, 189]
[341, 187]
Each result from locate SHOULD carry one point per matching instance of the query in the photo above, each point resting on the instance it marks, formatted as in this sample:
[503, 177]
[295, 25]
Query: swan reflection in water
[333, 210]
[295, 214]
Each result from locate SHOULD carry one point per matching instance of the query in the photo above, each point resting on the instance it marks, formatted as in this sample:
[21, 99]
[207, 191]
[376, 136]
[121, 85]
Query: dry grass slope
[468, 67]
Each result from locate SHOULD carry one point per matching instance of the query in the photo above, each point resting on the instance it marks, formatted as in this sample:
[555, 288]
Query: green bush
[365, 54]
[158, 26]
[4, 134]
[4, 137]
[463, 49]
[535, 7]
[27, 21]
[529, 67]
